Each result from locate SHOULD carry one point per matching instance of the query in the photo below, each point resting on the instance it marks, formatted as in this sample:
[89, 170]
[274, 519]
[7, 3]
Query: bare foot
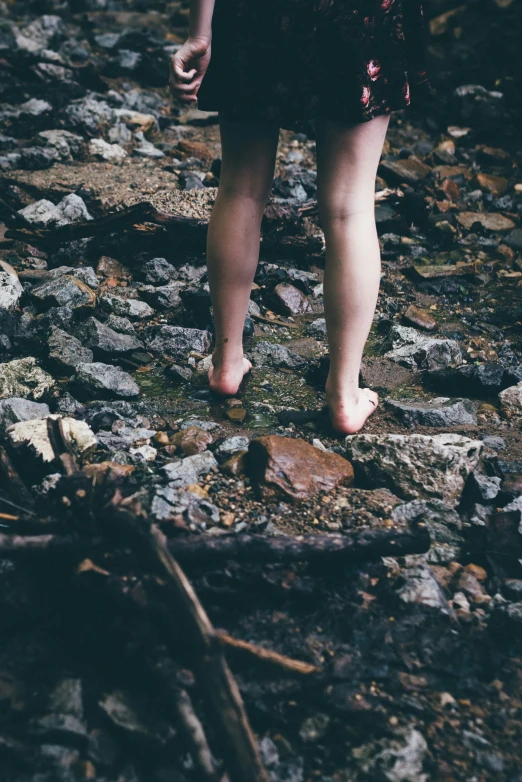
[348, 417]
[225, 377]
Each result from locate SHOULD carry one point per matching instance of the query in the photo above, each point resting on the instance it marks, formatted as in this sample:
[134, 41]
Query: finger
[178, 68]
[184, 88]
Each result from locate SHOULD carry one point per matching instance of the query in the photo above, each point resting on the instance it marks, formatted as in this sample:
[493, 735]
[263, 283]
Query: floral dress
[291, 61]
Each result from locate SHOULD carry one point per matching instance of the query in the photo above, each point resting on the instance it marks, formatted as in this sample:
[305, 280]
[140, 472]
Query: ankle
[341, 389]
[221, 357]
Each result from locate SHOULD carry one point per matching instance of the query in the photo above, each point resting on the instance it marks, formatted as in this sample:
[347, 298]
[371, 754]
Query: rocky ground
[107, 326]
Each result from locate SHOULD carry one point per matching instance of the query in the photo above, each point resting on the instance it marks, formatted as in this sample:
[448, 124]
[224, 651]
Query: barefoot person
[267, 64]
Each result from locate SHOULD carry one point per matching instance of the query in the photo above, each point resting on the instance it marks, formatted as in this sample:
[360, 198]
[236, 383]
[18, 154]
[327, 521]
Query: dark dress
[291, 61]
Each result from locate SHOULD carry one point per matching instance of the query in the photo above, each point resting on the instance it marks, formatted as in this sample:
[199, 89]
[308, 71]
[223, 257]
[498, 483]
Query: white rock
[10, 287]
[190, 469]
[511, 401]
[416, 466]
[33, 434]
[101, 148]
[410, 348]
[24, 378]
[395, 760]
[144, 453]
[72, 209]
[41, 213]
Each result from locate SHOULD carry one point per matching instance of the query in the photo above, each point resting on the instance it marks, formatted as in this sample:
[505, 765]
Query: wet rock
[289, 300]
[158, 271]
[415, 466]
[294, 467]
[32, 436]
[442, 412]
[481, 380]
[105, 342]
[269, 354]
[24, 378]
[64, 291]
[511, 401]
[420, 318]
[190, 469]
[102, 149]
[183, 508]
[398, 760]
[66, 351]
[127, 308]
[317, 329]
[191, 440]
[11, 288]
[177, 342]
[17, 409]
[97, 379]
[420, 586]
[411, 349]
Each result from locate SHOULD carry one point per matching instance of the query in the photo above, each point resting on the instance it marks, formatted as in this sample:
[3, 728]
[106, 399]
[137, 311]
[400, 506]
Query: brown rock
[493, 155]
[497, 185]
[110, 267]
[102, 468]
[236, 414]
[491, 221]
[449, 172]
[431, 272]
[478, 572]
[451, 190]
[195, 149]
[192, 440]
[410, 170]
[236, 465]
[420, 318]
[289, 300]
[294, 467]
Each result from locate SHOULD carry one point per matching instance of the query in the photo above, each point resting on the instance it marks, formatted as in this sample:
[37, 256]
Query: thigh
[248, 151]
[347, 160]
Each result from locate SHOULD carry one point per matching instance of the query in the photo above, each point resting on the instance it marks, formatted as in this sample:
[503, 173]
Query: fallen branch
[267, 655]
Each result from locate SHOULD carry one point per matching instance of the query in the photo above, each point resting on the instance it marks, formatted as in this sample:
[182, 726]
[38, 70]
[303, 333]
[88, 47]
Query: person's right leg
[347, 161]
[247, 170]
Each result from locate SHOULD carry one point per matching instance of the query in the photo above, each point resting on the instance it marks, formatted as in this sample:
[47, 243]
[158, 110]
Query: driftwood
[267, 655]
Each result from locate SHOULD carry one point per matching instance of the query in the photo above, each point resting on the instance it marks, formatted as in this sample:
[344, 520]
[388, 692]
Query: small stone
[183, 508]
[103, 379]
[190, 469]
[110, 267]
[127, 308]
[514, 239]
[420, 586]
[317, 329]
[158, 271]
[497, 185]
[66, 351]
[294, 467]
[269, 354]
[411, 170]
[491, 221]
[236, 465]
[178, 373]
[420, 318]
[111, 152]
[236, 414]
[231, 446]
[24, 378]
[511, 401]
[177, 342]
[105, 342]
[290, 300]
[135, 719]
[192, 440]
[400, 759]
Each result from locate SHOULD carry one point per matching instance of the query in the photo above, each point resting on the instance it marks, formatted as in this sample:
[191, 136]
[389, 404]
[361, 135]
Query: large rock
[294, 467]
[414, 350]
[104, 380]
[269, 354]
[33, 437]
[177, 342]
[473, 380]
[289, 300]
[16, 409]
[24, 378]
[441, 412]
[127, 308]
[416, 466]
[64, 291]
[66, 351]
[189, 470]
[104, 341]
[10, 288]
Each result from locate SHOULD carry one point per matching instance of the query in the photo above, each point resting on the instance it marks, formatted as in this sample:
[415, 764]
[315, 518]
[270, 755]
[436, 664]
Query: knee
[255, 192]
[339, 211]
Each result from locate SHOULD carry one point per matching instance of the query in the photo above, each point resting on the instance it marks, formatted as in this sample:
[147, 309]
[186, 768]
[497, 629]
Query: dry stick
[61, 446]
[195, 735]
[238, 743]
[267, 655]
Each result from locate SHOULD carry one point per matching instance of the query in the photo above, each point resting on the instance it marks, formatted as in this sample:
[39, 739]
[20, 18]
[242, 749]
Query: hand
[187, 68]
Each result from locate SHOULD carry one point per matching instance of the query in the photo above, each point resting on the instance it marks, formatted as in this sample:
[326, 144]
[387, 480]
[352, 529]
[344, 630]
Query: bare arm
[190, 63]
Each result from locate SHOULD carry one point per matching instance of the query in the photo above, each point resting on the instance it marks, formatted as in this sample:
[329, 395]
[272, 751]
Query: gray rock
[170, 504]
[67, 351]
[104, 341]
[412, 349]
[87, 275]
[24, 378]
[158, 271]
[511, 401]
[166, 297]
[421, 587]
[127, 308]
[135, 719]
[494, 442]
[120, 134]
[269, 354]
[442, 522]
[110, 152]
[416, 466]
[37, 158]
[484, 488]
[97, 378]
[11, 288]
[88, 115]
[67, 145]
[190, 469]
[146, 149]
[123, 325]
[72, 209]
[16, 409]
[63, 728]
[398, 760]
[64, 291]
[177, 342]
[317, 329]
[180, 374]
[67, 698]
[42, 213]
[514, 239]
[126, 437]
[41, 33]
[314, 728]
[230, 446]
[441, 412]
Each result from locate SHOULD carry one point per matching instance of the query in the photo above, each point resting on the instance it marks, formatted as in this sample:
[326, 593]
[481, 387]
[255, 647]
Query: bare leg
[347, 161]
[248, 160]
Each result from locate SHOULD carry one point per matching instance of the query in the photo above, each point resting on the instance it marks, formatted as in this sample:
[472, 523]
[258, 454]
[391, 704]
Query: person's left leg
[247, 170]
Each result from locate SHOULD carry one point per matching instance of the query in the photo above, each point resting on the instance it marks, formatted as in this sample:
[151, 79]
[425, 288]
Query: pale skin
[347, 161]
